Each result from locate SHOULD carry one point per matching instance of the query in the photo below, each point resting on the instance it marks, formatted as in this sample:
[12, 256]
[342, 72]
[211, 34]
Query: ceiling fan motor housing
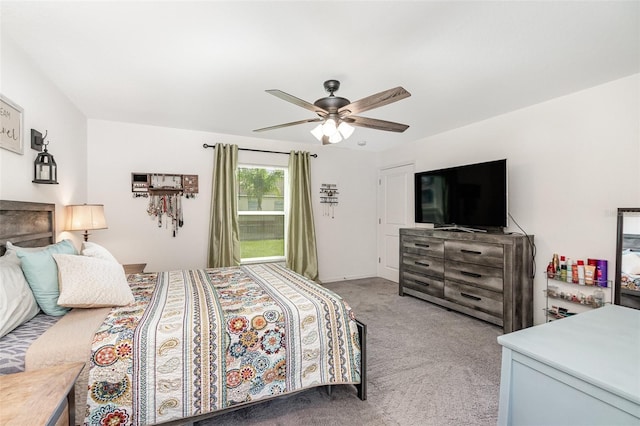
[331, 103]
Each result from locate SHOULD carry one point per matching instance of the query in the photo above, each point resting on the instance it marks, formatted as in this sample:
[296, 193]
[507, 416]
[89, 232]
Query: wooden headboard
[27, 224]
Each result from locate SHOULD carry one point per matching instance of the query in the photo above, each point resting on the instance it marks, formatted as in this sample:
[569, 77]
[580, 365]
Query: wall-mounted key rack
[165, 193]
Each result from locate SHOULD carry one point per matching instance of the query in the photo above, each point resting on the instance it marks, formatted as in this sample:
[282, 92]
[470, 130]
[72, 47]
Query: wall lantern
[45, 169]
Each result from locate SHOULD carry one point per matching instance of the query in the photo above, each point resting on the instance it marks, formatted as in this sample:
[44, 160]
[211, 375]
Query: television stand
[459, 228]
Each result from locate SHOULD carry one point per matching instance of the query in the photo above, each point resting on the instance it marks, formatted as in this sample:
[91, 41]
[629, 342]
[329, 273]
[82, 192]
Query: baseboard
[351, 277]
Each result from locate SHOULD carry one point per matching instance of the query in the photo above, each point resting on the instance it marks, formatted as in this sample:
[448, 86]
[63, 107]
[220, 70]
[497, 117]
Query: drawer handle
[417, 262]
[470, 274]
[470, 251]
[422, 283]
[468, 296]
[421, 245]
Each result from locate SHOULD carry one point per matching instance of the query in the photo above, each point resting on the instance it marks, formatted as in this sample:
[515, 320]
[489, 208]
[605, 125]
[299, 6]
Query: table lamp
[85, 217]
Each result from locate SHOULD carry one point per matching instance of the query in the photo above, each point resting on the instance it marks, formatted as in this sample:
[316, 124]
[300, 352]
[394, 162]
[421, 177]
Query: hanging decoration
[165, 192]
[167, 209]
[328, 198]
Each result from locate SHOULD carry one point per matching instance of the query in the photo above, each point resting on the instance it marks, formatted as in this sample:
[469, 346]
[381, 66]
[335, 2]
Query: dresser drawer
[475, 252]
[423, 284]
[486, 277]
[476, 298]
[423, 265]
[423, 245]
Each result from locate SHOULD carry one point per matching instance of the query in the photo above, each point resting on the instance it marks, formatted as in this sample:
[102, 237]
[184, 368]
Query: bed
[192, 344]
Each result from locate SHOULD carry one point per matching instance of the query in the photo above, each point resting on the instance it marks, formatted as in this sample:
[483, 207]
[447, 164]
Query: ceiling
[206, 65]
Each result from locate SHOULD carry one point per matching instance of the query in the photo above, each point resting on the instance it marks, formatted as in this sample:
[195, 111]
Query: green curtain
[302, 256]
[224, 240]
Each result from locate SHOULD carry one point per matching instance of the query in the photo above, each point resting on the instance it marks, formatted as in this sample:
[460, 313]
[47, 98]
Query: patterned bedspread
[203, 340]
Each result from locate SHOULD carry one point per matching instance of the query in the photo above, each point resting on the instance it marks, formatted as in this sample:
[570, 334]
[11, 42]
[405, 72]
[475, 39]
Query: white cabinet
[582, 370]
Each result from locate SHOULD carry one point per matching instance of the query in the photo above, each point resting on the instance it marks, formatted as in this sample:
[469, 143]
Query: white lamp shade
[335, 138]
[345, 129]
[82, 217]
[317, 132]
[329, 127]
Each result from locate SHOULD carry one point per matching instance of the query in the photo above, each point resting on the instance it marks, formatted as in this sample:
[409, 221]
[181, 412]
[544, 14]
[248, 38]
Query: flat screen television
[469, 196]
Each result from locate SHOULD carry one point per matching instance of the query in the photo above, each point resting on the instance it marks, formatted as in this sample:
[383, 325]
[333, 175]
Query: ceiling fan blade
[293, 123]
[374, 123]
[297, 101]
[375, 101]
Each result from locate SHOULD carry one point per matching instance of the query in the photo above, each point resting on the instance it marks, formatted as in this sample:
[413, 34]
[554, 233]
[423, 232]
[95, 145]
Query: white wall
[346, 244]
[45, 108]
[572, 162]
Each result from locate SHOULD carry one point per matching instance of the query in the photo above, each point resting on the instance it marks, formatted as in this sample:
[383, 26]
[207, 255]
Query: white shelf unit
[564, 299]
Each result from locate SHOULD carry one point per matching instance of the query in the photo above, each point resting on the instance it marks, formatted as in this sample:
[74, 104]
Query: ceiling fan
[336, 114]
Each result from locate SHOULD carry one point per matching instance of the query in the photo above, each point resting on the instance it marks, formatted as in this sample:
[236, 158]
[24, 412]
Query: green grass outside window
[261, 248]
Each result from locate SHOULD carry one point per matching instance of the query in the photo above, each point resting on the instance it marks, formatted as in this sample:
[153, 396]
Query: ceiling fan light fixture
[329, 127]
[317, 132]
[345, 129]
[335, 138]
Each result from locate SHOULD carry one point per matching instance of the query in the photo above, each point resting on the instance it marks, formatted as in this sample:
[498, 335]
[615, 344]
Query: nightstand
[134, 268]
[39, 397]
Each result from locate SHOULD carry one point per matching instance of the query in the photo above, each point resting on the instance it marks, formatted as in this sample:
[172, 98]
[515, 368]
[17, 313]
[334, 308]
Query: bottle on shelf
[580, 269]
[556, 265]
[550, 271]
[568, 277]
[563, 269]
[598, 298]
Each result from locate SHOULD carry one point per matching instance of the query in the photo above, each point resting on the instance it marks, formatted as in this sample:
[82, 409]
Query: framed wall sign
[11, 132]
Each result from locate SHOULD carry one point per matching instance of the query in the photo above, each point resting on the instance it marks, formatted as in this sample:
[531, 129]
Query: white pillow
[12, 251]
[631, 263]
[97, 251]
[17, 304]
[88, 282]
[12, 247]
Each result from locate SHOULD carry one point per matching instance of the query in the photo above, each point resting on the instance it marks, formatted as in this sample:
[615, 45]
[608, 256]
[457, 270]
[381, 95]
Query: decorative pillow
[631, 263]
[17, 304]
[88, 282]
[97, 251]
[42, 275]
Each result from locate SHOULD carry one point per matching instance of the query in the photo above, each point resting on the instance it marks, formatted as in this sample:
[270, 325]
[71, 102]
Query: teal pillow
[41, 272]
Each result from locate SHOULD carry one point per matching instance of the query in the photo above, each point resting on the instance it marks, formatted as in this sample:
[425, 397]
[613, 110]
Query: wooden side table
[39, 397]
[134, 268]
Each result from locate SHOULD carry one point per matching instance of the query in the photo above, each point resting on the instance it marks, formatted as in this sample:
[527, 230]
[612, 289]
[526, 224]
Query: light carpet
[426, 366]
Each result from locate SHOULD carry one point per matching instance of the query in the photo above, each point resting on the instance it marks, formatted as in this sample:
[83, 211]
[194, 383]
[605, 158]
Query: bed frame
[26, 224]
[29, 224]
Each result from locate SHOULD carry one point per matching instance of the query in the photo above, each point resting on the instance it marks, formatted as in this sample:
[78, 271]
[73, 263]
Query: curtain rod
[204, 145]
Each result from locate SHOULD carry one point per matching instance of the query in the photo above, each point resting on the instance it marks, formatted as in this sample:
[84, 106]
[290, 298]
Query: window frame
[284, 212]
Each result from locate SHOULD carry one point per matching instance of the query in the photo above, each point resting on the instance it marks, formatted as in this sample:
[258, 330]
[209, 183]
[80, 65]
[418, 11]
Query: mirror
[627, 285]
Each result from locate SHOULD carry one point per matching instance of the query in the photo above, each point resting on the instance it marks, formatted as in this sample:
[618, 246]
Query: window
[262, 198]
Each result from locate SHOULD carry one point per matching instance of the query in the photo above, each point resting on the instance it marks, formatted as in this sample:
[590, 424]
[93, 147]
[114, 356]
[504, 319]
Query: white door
[395, 211]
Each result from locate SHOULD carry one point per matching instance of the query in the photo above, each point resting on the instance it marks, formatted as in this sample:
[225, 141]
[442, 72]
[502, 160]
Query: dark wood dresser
[485, 275]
